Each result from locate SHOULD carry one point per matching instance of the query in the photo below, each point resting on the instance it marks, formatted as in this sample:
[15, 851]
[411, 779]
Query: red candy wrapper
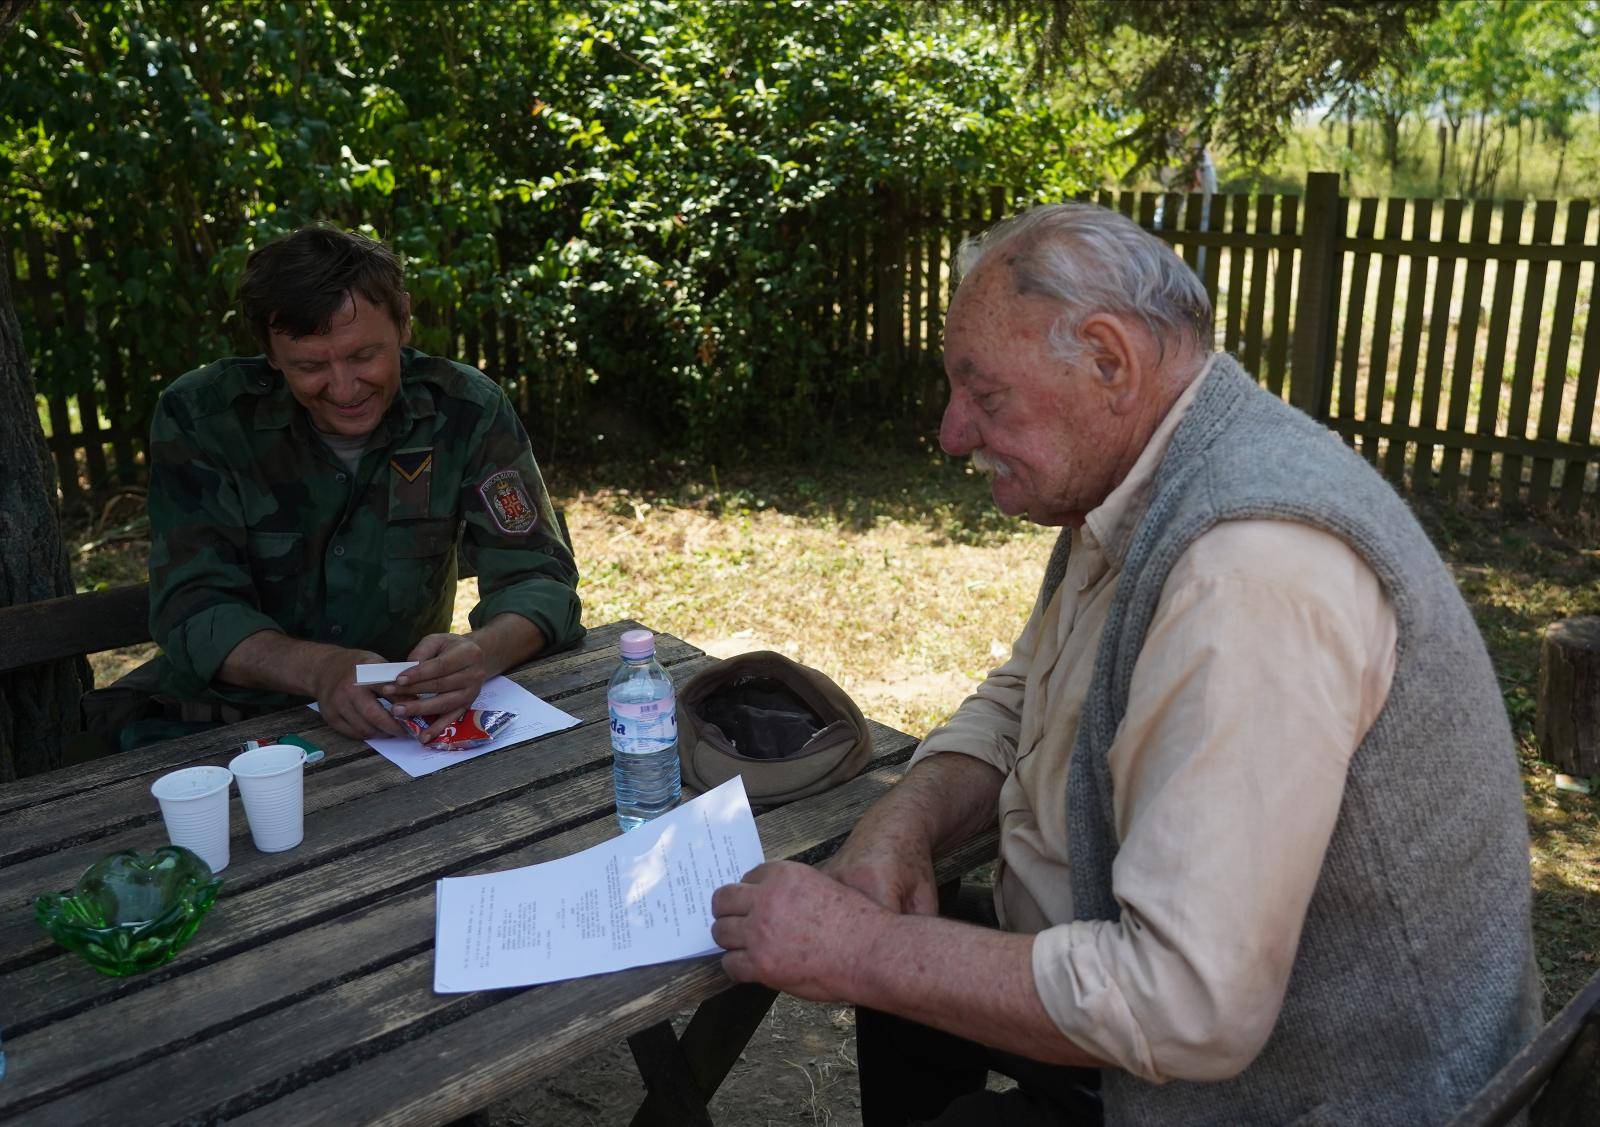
[476, 728]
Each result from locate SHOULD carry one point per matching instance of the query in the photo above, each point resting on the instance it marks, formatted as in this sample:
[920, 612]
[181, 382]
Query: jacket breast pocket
[421, 559]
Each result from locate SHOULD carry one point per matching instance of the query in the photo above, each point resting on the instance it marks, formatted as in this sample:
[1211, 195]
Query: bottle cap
[638, 643]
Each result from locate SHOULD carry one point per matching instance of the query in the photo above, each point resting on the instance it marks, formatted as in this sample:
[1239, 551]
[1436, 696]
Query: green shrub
[657, 198]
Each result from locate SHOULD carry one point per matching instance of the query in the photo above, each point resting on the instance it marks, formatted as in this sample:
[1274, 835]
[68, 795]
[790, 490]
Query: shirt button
[338, 550]
[341, 478]
[336, 631]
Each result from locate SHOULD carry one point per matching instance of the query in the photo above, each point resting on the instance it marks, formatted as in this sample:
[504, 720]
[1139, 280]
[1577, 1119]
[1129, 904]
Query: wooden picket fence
[1450, 342]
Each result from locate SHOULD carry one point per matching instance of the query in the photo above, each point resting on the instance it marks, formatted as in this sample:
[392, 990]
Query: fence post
[1316, 314]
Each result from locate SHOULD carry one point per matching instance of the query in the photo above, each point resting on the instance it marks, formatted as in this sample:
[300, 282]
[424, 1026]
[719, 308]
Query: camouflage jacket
[256, 525]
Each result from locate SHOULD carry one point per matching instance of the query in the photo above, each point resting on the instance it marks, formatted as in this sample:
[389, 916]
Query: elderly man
[1262, 851]
[305, 507]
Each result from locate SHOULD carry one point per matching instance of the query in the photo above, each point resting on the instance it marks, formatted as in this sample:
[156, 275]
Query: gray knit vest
[1414, 981]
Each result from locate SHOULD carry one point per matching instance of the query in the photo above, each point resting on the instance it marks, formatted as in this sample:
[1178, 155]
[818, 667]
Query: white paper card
[535, 717]
[382, 672]
[643, 897]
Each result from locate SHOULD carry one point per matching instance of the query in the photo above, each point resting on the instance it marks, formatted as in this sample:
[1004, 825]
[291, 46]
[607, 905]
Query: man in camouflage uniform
[306, 505]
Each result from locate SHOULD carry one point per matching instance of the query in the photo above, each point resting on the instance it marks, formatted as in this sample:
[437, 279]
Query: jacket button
[336, 631]
[338, 550]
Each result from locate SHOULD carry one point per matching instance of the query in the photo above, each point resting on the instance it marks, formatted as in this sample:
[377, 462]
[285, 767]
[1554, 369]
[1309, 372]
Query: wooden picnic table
[307, 996]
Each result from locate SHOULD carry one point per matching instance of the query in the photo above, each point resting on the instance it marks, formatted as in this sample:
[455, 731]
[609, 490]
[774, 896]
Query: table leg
[679, 1070]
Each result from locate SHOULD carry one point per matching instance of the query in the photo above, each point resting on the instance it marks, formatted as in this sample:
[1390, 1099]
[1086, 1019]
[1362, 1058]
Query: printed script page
[643, 897]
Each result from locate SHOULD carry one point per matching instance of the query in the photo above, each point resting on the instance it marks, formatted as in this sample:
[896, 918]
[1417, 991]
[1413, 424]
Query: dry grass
[899, 580]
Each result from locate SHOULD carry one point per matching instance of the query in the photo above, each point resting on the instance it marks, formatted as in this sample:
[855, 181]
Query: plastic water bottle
[644, 733]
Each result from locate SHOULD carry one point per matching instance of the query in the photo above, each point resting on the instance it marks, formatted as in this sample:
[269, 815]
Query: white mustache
[990, 467]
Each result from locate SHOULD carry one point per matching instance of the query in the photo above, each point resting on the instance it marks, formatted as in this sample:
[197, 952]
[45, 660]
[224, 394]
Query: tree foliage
[1234, 72]
[653, 193]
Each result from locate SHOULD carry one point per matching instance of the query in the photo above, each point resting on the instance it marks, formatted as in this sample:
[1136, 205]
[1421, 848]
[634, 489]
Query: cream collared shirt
[1269, 656]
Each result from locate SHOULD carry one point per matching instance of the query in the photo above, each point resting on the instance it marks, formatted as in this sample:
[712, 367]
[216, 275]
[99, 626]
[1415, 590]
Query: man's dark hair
[295, 284]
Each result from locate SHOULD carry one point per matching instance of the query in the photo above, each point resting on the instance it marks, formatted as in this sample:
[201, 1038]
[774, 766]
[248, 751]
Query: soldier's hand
[348, 707]
[452, 669]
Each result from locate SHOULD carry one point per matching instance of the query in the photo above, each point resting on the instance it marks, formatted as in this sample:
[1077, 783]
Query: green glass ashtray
[131, 911]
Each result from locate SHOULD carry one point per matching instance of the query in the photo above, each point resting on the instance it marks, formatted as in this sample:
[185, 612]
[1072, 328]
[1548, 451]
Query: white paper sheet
[643, 897]
[382, 672]
[535, 717]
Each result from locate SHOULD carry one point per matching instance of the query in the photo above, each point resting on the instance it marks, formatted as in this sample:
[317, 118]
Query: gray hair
[1091, 260]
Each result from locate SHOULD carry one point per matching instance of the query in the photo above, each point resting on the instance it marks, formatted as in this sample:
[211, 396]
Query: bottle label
[649, 719]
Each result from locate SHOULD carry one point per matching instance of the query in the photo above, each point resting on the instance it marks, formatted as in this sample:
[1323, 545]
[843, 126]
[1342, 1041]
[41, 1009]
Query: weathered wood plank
[1494, 353]
[85, 819]
[1211, 257]
[1192, 213]
[1355, 313]
[549, 677]
[1234, 329]
[399, 805]
[369, 947]
[1253, 353]
[1492, 443]
[401, 838]
[72, 625]
[1555, 372]
[1283, 298]
[1517, 1084]
[1466, 352]
[1438, 335]
[430, 1088]
[1405, 373]
[1382, 329]
[1583, 397]
[713, 1041]
[674, 1096]
[1318, 278]
[1544, 223]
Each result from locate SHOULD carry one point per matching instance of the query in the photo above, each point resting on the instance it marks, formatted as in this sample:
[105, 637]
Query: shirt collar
[1112, 522]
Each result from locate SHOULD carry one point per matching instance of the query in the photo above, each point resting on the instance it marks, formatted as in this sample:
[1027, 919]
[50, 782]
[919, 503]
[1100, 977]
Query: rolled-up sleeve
[524, 566]
[1257, 681]
[202, 598]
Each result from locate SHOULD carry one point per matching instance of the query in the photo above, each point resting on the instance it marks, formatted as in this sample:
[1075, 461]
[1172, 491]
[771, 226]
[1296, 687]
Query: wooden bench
[1556, 1076]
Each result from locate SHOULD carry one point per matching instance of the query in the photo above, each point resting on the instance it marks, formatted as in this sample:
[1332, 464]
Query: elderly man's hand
[453, 670]
[890, 864]
[348, 707]
[792, 928]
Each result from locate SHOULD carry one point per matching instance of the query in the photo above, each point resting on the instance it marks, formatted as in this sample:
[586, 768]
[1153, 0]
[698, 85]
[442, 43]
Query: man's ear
[1116, 360]
[405, 318]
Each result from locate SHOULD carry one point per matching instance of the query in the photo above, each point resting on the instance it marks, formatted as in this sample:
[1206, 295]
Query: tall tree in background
[1234, 72]
[38, 705]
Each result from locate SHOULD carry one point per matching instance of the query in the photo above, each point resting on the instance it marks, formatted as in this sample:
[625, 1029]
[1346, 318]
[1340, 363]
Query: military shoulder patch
[508, 502]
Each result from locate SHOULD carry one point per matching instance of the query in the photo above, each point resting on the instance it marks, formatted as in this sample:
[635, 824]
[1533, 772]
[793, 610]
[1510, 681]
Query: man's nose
[955, 431]
[342, 381]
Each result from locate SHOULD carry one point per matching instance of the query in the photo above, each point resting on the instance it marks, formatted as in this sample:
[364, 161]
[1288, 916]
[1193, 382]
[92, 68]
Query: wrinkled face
[1042, 430]
[346, 377]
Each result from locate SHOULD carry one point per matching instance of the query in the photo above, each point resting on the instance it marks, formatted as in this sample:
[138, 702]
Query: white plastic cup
[272, 785]
[194, 804]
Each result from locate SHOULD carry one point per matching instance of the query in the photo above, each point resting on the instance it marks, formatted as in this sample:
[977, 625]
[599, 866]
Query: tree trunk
[1567, 726]
[1561, 160]
[39, 704]
[1391, 140]
[1444, 140]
